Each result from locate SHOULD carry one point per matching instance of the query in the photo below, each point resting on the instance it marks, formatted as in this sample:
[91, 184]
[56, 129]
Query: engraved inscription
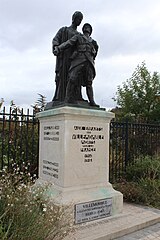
[93, 210]
[51, 133]
[88, 137]
[50, 168]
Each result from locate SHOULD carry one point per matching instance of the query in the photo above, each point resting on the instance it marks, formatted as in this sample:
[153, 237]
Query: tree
[1, 102]
[138, 95]
[39, 104]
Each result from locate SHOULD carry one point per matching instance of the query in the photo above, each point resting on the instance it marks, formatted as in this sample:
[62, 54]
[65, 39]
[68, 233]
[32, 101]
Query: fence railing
[19, 134]
[128, 141]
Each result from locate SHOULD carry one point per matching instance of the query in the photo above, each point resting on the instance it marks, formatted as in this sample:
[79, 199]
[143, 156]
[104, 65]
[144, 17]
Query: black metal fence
[19, 139]
[128, 141]
[19, 134]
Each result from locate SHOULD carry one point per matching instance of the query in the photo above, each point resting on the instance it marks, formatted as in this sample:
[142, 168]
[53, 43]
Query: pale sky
[127, 32]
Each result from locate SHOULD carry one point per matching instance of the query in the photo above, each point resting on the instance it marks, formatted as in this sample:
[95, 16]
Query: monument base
[74, 160]
[75, 195]
[78, 104]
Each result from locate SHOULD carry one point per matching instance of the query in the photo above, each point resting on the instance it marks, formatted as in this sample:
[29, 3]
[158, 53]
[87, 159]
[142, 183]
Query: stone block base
[74, 160]
[73, 196]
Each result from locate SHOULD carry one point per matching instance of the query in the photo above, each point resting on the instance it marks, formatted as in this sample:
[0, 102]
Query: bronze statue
[63, 59]
[82, 70]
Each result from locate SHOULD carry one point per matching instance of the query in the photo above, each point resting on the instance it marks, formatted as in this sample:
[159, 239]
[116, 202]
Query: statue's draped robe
[62, 62]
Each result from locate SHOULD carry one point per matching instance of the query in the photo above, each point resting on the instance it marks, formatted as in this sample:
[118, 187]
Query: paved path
[149, 233]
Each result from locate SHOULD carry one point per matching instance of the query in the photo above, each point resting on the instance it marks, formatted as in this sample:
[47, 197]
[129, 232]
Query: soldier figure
[82, 70]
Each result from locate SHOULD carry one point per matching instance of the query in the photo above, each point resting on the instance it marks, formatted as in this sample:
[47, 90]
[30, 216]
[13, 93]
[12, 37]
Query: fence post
[126, 143]
[3, 138]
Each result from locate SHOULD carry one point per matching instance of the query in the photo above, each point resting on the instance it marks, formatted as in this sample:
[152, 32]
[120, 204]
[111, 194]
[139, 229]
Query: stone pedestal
[74, 158]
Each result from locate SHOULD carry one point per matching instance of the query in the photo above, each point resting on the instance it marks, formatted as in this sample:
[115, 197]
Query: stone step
[133, 218]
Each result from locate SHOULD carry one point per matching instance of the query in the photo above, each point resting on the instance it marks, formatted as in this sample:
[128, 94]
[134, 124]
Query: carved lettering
[88, 136]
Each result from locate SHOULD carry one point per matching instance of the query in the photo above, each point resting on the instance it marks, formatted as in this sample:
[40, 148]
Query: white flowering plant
[24, 212]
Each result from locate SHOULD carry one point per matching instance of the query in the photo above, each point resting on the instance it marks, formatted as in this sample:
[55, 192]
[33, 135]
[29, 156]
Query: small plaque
[89, 211]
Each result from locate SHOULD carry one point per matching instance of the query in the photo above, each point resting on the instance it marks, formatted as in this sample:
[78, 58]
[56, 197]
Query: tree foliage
[138, 96]
[1, 102]
[39, 104]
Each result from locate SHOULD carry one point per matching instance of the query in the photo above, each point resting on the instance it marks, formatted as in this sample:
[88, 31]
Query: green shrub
[151, 191]
[25, 214]
[142, 182]
[131, 191]
[146, 191]
[144, 167]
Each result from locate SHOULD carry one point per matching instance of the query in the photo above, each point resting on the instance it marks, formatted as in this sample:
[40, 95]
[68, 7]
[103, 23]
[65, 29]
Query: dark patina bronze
[75, 54]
